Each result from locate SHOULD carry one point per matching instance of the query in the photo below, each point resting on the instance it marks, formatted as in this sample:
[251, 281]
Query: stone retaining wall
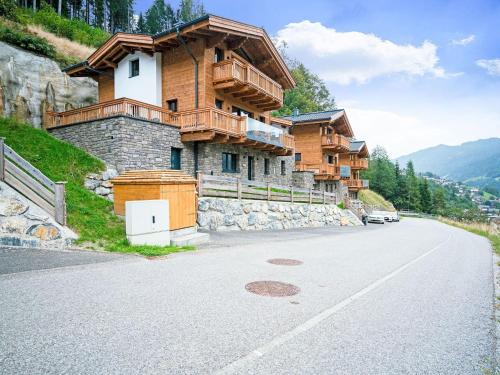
[222, 214]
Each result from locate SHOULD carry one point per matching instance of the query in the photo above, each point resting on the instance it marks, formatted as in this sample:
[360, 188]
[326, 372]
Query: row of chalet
[199, 97]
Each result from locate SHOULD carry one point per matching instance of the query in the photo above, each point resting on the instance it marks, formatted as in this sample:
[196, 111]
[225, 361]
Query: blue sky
[410, 74]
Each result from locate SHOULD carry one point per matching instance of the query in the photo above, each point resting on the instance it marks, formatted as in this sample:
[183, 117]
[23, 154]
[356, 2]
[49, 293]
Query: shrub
[20, 38]
[76, 30]
[8, 9]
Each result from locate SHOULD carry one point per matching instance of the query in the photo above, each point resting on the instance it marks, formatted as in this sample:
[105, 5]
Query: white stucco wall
[146, 87]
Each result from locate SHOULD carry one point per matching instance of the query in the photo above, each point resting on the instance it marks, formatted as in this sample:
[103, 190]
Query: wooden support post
[2, 159]
[291, 193]
[310, 195]
[324, 197]
[238, 187]
[200, 184]
[60, 202]
[268, 191]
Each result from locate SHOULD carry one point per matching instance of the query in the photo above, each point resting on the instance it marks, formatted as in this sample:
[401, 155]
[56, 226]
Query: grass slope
[371, 198]
[481, 229]
[89, 215]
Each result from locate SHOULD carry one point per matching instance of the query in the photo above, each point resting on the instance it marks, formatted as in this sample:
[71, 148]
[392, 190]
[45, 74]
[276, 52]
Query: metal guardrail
[33, 184]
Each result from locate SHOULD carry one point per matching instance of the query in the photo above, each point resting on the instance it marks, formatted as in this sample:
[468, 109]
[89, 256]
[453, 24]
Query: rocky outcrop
[22, 223]
[221, 214]
[31, 84]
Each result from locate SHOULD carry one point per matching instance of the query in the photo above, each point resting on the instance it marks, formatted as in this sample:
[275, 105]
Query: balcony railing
[210, 119]
[246, 74]
[117, 107]
[359, 164]
[357, 184]
[335, 141]
[319, 169]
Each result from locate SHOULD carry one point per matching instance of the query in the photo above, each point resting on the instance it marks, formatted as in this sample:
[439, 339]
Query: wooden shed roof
[153, 177]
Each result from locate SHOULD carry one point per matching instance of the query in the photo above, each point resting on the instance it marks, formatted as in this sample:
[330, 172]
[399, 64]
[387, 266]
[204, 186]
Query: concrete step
[192, 239]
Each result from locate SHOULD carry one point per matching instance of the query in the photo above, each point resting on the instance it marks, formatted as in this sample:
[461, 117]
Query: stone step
[192, 239]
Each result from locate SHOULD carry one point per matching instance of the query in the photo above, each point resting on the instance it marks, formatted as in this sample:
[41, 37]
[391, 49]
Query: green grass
[480, 229]
[371, 198]
[75, 30]
[89, 215]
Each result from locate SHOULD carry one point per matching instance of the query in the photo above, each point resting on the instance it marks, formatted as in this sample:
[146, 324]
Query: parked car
[376, 218]
[385, 214]
[395, 216]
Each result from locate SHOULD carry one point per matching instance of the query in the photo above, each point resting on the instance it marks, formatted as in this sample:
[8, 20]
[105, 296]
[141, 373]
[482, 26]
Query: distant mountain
[476, 163]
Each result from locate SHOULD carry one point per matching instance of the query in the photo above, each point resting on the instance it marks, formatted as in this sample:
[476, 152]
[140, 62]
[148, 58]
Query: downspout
[196, 102]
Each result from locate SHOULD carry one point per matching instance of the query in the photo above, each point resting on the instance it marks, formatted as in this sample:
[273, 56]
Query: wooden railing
[123, 106]
[352, 183]
[230, 187]
[288, 141]
[33, 184]
[210, 119]
[324, 168]
[359, 163]
[335, 140]
[234, 69]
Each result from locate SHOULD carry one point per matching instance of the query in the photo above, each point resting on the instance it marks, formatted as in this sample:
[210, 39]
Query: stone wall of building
[210, 162]
[221, 214]
[128, 143]
[303, 179]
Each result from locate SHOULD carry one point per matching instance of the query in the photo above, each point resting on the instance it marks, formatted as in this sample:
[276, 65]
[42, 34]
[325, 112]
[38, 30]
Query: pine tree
[438, 202]
[189, 10]
[141, 25]
[401, 191]
[156, 17]
[425, 196]
[413, 188]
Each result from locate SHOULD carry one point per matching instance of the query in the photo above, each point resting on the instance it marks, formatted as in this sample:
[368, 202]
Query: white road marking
[314, 321]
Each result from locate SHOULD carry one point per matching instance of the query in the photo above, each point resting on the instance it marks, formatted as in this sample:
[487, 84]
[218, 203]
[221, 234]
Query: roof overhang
[214, 30]
[362, 150]
[342, 124]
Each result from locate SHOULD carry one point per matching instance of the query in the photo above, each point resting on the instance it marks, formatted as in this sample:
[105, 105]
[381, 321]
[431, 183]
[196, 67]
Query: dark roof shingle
[314, 116]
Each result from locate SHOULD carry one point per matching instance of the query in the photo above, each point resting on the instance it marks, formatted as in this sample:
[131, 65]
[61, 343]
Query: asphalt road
[414, 297]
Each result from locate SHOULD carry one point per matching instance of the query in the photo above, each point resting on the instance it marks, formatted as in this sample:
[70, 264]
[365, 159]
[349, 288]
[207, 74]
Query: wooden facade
[324, 145]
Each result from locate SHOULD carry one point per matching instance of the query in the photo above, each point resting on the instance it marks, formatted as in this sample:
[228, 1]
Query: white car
[376, 218]
[385, 214]
[395, 216]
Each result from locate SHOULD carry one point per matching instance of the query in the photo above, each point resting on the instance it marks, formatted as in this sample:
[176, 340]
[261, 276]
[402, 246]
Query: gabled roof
[316, 116]
[359, 147]
[215, 30]
[336, 117]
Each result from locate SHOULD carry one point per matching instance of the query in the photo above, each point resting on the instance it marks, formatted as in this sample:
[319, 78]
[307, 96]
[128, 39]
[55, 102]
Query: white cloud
[464, 41]
[492, 66]
[345, 57]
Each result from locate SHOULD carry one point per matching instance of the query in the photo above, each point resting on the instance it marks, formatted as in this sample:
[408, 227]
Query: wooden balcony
[359, 164]
[204, 125]
[336, 142]
[356, 185]
[323, 171]
[248, 84]
[117, 107]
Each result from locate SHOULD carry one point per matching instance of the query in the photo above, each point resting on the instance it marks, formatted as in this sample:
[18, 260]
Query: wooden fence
[33, 184]
[230, 187]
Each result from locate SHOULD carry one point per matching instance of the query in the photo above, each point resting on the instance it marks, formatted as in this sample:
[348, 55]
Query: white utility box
[147, 222]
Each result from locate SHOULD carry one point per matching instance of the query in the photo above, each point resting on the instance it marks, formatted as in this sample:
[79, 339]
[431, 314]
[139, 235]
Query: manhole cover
[272, 288]
[285, 262]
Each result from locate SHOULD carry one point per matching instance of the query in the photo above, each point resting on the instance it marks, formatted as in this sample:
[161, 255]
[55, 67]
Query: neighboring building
[324, 145]
[198, 97]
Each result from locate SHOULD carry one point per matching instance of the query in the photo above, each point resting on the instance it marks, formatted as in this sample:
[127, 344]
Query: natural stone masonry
[128, 143]
[221, 214]
[100, 183]
[32, 84]
[22, 223]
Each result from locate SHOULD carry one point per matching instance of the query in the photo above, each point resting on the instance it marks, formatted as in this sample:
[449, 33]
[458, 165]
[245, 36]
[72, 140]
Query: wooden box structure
[176, 187]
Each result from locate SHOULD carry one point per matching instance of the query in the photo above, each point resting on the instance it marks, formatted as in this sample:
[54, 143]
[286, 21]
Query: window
[262, 119]
[331, 159]
[175, 158]
[241, 112]
[283, 167]
[133, 68]
[218, 103]
[218, 55]
[229, 162]
[172, 105]
[298, 156]
[266, 166]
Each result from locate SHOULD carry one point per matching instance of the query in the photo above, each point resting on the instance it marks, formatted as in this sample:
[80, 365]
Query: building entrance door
[250, 167]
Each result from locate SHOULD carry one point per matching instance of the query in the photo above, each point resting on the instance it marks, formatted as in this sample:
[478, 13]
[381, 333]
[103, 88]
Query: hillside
[476, 163]
[89, 215]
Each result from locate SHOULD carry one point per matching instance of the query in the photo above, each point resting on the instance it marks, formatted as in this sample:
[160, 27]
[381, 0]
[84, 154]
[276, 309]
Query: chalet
[197, 97]
[325, 145]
